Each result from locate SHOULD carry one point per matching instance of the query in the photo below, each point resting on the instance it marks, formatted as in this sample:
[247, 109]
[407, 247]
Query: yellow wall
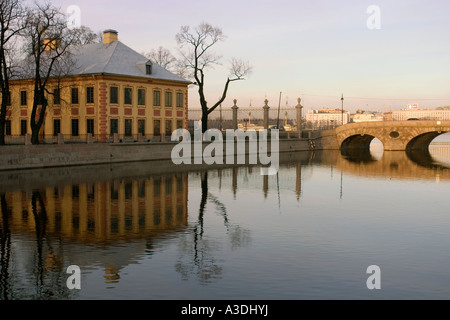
[101, 111]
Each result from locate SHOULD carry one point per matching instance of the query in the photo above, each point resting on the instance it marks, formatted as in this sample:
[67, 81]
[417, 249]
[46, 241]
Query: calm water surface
[309, 232]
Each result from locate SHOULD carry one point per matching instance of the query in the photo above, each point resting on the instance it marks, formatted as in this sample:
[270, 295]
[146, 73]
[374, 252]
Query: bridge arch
[358, 141]
[422, 141]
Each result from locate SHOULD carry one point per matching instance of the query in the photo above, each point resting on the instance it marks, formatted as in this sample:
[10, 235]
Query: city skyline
[314, 51]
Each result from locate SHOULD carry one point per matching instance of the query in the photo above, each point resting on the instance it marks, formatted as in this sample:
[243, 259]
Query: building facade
[365, 116]
[326, 118]
[112, 91]
[401, 115]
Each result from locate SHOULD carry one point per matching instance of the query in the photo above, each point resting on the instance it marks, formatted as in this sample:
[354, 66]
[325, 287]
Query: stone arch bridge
[411, 135]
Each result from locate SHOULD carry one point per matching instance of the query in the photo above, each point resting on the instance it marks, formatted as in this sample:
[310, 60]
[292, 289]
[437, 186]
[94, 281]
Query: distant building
[365, 116]
[327, 118]
[401, 115]
[111, 90]
[387, 116]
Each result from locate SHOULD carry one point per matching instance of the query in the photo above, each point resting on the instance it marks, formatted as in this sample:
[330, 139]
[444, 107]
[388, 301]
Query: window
[23, 98]
[141, 97]
[75, 192]
[128, 128]
[57, 96]
[75, 130]
[157, 98]
[141, 127]
[8, 99]
[75, 99]
[114, 191]
[127, 96]
[114, 126]
[90, 95]
[168, 186]
[23, 127]
[157, 186]
[179, 184]
[179, 99]
[179, 124]
[168, 127]
[168, 99]
[156, 127]
[8, 128]
[114, 95]
[90, 126]
[56, 127]
[128, 190]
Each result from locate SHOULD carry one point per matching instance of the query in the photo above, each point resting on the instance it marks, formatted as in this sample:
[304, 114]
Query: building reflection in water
[111, 222]
[45, 225]
[103, 212]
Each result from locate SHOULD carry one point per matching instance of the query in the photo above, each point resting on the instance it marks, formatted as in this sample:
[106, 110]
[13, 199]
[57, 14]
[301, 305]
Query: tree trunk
[36, 112]
[35, 135]
[2, 131]
[3, 121]
[204, 121]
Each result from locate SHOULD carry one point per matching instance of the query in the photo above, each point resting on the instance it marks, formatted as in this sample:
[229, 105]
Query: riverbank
[20, 157]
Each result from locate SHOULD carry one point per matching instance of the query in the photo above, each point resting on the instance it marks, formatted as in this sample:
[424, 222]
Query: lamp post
[342, 108]
[299, 108]
[278, 117]
[266, 114]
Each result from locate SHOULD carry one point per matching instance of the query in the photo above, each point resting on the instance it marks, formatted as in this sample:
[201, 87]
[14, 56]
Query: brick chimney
[110, 36]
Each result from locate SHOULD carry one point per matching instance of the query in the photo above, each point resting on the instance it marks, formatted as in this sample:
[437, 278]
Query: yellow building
[110, 89]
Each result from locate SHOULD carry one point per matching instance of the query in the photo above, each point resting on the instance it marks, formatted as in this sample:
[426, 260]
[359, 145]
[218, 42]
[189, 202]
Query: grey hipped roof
[115, 59]
[118, 59]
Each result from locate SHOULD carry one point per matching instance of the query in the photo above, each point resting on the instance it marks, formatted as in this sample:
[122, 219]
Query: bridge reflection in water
[432, 163]
[111, 216]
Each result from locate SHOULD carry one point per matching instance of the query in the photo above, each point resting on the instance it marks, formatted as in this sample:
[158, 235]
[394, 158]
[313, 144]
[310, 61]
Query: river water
[309, 232]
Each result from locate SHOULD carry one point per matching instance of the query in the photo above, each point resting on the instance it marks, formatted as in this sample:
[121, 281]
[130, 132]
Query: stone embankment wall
[60, 155]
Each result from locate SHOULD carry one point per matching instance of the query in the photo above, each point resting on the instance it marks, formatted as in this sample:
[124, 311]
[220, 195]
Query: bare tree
[11, 16]
[195, 48]
[86, 36]
[162, 57]
[48, 41]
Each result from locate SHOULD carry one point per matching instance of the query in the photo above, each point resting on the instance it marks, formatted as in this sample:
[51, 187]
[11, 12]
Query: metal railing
[121, 138]
[86, 139]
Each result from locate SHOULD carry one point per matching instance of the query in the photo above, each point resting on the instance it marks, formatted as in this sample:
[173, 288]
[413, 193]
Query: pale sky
[314, 50]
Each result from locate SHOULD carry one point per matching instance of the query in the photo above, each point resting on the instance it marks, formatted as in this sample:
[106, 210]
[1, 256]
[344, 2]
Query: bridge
[410, 135]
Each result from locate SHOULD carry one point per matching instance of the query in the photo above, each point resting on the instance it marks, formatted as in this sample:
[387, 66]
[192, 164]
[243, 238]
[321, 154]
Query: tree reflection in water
[44, 277]
[48, 265]
[5, 249]
[40, 217]
[197, 251]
